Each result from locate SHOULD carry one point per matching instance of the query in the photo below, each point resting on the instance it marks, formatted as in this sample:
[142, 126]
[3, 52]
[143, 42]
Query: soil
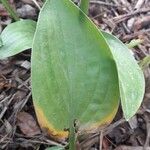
[19, 130]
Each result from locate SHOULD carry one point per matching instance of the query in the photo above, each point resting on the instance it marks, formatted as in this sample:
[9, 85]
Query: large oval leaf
[131, 78]
[17, 37]
[74, 76]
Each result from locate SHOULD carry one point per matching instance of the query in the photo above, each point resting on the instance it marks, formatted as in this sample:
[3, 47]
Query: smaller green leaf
[55, 148]
[17, 37]
[131, 78]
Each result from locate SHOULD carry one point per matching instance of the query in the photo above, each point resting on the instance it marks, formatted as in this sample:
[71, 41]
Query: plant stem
[72, 137]
[10, 10]
[84, 6]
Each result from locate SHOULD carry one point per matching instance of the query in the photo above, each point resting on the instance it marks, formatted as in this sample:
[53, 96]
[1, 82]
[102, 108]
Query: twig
[139, 4]
[93, 138]
[41, 141]
[35, 2]
[121, 18]
[126, 4]
[24, 102]
[5, 108]
[104, 3]
[136, 34]
[112, 126]
[124, 147]
[148, 131]
[101, 141]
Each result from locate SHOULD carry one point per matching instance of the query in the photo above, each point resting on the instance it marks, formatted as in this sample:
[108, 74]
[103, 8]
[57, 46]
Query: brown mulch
[128, 20]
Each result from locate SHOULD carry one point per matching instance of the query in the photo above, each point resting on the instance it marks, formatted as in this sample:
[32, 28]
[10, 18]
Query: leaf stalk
[72, 137]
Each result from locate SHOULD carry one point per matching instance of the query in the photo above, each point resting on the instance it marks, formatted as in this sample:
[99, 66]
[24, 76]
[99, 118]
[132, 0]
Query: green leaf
[17, 37]
[134, 43]
[55, 148]
[145, 62]
[74, 76]
[1, 42]
[131, 78]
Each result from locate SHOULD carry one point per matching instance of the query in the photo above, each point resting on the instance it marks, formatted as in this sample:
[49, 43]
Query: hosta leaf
[17, 37]
[131, 78]
[74, 75]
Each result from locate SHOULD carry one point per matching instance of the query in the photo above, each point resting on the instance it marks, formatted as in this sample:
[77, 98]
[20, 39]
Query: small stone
[26, 11]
